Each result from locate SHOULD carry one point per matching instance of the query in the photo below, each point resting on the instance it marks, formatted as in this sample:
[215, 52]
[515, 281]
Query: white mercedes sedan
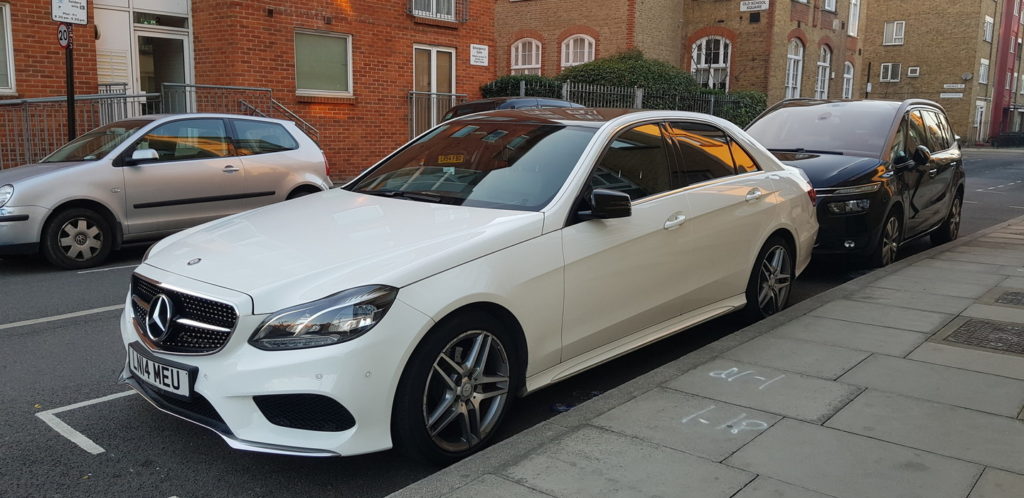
[492, 256]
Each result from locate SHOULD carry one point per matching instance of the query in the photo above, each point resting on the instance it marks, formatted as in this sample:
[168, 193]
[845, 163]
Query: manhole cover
[999, 336]
[1011, 298]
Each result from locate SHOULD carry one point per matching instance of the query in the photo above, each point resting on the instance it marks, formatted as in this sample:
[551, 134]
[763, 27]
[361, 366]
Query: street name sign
[951, 95]
[753, 5]
[72, 11]
[954, 86]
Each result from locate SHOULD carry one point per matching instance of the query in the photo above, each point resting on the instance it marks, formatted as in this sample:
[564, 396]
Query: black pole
[69, 63]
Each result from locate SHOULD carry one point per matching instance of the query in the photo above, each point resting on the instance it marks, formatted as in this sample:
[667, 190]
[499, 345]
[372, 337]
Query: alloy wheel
[954, 217]
[466, 391]
[775, 280]
[890, 240]
[80, 239]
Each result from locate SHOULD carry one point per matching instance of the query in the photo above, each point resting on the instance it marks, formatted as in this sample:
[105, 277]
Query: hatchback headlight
[849, 207]
[334, 319]
[6, 192]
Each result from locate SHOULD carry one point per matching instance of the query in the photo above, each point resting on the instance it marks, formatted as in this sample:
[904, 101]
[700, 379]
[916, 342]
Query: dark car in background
[884, 172]
[505, 103]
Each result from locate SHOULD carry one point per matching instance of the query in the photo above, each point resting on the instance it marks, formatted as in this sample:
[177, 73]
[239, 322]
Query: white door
[433, 85]
[624, 275]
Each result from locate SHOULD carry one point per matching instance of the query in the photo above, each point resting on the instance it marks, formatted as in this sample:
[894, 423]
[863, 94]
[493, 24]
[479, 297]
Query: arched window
[710, 62]
[824, 73]
[576, 50]
[794, 68]
[848, 81]
[526, 56]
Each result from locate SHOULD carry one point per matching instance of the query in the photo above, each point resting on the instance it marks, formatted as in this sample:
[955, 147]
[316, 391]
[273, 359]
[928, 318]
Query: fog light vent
[311, 412]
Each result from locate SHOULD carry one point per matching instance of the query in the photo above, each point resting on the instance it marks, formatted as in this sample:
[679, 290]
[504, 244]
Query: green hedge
[630, 69]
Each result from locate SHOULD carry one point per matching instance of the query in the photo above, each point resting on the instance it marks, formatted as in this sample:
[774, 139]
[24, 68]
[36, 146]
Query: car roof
[169, 117]
[577, 116]
[876, 104]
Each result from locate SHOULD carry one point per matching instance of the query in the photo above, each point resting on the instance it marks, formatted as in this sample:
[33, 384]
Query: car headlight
[849, 207]
[6, 192]
[332, 320]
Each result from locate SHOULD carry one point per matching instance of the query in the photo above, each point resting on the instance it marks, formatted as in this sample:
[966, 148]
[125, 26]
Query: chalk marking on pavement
[50, 417]
[61, 317]
[970, 202]
[1016, 207]
[107, 269]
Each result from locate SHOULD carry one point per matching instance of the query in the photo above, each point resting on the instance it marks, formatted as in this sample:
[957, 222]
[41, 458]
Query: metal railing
[440, 10]
[182, 97]
[33, 128]
[426, 109]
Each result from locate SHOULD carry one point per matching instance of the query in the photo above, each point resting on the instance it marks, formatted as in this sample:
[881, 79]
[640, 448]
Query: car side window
[916, 134]
[188, 139]
[947, 130]
[707, 153]
[636, 163]
[898, 152]
[936, 136]
[259, 137]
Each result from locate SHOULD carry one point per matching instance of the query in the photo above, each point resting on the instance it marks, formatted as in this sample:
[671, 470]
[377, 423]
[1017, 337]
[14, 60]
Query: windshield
[97, 143]
[853, 129]
[482, 163]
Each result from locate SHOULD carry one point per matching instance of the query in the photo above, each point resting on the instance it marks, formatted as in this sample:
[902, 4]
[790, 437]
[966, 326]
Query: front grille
[198, 325]
[311, 412]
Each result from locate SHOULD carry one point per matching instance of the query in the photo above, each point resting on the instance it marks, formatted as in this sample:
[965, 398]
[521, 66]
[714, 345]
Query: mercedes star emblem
[158, 320]
[194, 261]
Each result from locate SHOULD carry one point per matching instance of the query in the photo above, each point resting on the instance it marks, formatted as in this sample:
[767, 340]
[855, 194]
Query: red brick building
[347, 67]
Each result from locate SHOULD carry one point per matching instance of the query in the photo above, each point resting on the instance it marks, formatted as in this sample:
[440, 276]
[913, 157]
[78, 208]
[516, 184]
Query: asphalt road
[50, 364]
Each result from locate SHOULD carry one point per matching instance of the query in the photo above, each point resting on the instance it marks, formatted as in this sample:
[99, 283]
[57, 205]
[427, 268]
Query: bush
[509, 86]
[631, 69]
[745, 106]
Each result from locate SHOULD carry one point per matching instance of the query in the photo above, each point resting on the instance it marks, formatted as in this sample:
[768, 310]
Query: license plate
[158, 375]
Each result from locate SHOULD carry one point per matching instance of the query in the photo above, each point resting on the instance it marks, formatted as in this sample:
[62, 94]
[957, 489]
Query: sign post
[68, 13]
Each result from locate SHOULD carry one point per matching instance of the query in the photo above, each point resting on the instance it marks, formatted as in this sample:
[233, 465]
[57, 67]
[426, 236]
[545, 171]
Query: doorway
[433, 85]
[165, 58]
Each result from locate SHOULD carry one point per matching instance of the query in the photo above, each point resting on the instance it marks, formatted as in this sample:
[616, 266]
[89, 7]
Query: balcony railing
[440, 10]
[427, 109]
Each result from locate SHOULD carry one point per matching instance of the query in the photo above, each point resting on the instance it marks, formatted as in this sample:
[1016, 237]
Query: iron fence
[427, 109]
[440, 10]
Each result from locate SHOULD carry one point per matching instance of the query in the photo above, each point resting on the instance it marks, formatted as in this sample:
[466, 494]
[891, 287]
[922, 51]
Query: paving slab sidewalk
[908, 381]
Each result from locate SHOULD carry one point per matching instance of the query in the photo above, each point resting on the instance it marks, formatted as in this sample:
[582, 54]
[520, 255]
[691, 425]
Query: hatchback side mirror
[143, 155]
[607, 204]
[922, 155]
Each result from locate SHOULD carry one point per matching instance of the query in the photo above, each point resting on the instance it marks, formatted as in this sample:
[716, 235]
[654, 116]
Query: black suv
[505, 103]
[884, 172]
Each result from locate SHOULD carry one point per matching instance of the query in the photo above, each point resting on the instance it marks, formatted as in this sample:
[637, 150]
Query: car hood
[308, 248]
[29, 171]
[829, 170]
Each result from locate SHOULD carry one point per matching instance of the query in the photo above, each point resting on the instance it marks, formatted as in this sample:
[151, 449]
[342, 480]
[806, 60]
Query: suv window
[636, 163]
[188, 139]
[937, 139]
[259, 137]
[915, 134]
[707, 152]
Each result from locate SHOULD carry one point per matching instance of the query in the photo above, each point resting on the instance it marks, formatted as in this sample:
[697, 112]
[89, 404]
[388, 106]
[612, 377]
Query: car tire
[885, 250]
[455, 389]
[300, 192]
[771, 279]
[950, 227]
[76, 238]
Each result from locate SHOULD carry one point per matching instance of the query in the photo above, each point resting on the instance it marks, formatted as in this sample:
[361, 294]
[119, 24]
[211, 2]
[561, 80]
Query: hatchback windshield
[97, 143]
[483, 163]
[858, 129]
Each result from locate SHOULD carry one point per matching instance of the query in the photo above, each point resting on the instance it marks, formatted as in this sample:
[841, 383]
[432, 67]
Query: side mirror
[922, 155]
[142, 155]
[607, 204]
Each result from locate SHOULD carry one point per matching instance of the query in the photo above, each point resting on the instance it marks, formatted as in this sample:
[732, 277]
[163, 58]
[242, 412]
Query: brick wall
[39, 60]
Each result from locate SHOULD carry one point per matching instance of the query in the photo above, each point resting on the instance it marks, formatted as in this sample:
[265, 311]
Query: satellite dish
[966, 76]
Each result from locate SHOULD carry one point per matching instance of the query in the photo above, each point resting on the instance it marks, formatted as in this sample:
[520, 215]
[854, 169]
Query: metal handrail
[295, 117]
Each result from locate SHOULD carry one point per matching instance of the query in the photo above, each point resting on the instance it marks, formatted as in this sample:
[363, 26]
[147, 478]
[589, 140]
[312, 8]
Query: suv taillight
[812, 195]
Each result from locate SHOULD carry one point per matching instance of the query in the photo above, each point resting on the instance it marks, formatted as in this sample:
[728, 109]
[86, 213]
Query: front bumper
[835, 232]
[20, 228]
[361, 375]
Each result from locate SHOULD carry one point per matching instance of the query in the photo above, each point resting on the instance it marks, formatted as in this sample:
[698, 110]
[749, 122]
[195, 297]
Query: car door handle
[230, 169]
[932, 172]
[754, 194]
[674, 221]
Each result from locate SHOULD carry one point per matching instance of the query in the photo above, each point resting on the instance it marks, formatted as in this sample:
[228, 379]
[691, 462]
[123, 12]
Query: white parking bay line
[61, 317]
[107, 269]
[50, 417]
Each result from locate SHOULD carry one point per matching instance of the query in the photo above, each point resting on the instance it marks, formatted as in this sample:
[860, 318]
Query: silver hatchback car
[144, 178]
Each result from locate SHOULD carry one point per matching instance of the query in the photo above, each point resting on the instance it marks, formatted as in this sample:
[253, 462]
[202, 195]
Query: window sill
[309, 98]
[432, 21]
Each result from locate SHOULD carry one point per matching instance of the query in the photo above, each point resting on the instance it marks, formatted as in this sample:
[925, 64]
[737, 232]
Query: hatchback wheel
[455, 390]
[76, 238]
[950, 227]
[771, 279]
[888, 242]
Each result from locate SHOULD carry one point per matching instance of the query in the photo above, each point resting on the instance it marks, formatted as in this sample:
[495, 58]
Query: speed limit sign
[64, 35]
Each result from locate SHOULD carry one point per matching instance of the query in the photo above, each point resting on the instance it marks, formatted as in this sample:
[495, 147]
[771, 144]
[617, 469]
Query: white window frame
[914, 72]
[794, 68]
[309, 92]
[895, 36]
[5, 25]
[886, 72]
[986, 30]
[848, 80]
[1020, 88]
[983, 70]
[519, 48]
[433, 12]
[824, 73]
[700, 47]
[853, 27]
[1007, 81]
[830, 5]
[569, 52]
